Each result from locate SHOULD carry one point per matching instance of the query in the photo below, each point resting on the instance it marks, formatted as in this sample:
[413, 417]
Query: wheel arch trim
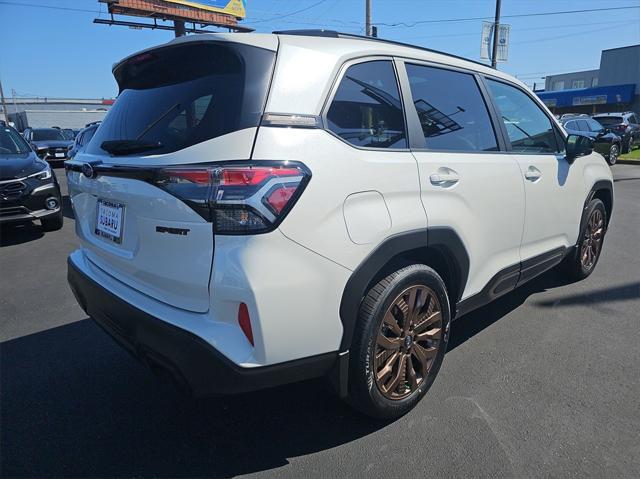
[444, 239]
[600, 185]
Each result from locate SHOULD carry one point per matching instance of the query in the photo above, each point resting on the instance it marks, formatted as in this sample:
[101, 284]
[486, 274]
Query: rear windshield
[48, 134]
[609, 120]
[182, 95]
[11, 143]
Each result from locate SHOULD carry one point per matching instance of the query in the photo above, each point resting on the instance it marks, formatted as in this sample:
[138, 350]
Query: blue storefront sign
[601, 95]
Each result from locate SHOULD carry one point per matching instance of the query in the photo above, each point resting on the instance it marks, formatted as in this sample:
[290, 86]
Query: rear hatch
[187, 103]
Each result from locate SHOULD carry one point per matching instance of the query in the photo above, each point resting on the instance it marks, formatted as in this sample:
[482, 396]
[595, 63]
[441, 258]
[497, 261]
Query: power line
[568, 35]
[520, 15]
[518, 30]
[290, 13]
[36, 5]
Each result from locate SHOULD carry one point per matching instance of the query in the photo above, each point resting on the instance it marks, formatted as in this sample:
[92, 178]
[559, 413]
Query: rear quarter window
[366, 110]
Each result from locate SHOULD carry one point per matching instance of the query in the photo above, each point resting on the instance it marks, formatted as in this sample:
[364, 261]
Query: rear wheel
[583, 261]
[53, 223]
[400, 341]
[614, 152]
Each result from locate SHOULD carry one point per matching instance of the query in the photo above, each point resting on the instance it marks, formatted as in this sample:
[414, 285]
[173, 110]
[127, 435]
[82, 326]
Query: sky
[52, 48]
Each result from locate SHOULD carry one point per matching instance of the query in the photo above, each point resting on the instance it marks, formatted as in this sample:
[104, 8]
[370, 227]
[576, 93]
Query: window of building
[559, 85]
[528, 128]
[594, 81]
[452, 113]
[577, 84]
[366, 110]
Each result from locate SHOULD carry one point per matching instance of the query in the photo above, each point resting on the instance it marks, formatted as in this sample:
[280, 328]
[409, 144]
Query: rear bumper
[192, 362]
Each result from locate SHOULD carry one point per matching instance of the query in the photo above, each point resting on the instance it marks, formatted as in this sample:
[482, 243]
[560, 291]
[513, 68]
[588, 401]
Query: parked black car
[82, 139]
[608, 144]
[29, 189]
[50, 144]
[626, 125]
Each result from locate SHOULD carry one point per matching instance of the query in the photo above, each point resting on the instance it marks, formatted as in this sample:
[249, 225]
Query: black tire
[365, 394]
[626, 148]
[574, 265]
[53, 223]
[614, 152]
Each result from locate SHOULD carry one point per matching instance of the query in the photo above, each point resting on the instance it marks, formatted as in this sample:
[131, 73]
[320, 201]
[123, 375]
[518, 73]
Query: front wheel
[583, 261]
[629, 146]
[400, 341]
[614, 152]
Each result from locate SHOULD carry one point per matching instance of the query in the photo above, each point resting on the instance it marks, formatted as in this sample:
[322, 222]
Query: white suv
[258, 209]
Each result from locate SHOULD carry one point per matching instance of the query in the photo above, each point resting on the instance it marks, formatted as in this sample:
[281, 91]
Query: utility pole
[179, 29]
[368, 18]
[4, 105]
[13, 95]
[496, 26]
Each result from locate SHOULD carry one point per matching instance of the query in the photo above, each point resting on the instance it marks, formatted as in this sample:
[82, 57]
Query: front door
[554, 188]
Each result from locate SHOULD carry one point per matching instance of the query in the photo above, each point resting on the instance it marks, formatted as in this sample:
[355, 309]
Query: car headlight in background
[42, 175]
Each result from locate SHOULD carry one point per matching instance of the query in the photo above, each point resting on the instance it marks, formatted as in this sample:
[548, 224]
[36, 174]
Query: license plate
[59, 155]
[109, 220]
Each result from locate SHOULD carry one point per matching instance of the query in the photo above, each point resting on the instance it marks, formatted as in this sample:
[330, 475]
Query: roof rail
[336, 34]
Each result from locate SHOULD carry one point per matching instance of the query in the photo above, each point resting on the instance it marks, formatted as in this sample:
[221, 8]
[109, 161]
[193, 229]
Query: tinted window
[47, 134]
[366, 110]
[609, 120]
[86, 138]
[571, 125]
[582, 124]
[11, 143]
[451, 110]
[182, 95]
[594, 125]
[632, 119]
[529, 129]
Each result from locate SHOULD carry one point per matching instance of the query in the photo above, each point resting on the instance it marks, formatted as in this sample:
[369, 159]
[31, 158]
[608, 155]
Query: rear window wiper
[129, 147]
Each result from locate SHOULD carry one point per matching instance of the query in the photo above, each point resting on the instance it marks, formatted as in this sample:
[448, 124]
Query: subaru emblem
[87, 170]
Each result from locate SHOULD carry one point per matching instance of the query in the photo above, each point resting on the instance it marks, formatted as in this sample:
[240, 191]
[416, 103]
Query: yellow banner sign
[237, 8]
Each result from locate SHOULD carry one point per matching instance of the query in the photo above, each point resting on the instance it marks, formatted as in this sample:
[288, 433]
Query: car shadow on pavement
[476, 321]
[75, 404]
[11, 235]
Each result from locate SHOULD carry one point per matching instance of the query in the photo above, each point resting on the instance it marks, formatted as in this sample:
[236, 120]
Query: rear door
[554, 188]
[466, 181]
[186, 103]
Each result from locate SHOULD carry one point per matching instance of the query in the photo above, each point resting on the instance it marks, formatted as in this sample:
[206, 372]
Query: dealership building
[614, 87]
[63, 112]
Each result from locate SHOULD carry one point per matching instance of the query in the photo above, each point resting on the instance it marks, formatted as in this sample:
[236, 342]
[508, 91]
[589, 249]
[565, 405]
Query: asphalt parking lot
[544, 382]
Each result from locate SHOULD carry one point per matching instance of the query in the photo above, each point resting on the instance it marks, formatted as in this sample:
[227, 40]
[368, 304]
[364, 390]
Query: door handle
[532, 173]
[444, 177]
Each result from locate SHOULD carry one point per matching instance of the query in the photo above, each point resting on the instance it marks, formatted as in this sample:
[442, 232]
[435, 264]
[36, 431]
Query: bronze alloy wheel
[592, 240]
[408, 342]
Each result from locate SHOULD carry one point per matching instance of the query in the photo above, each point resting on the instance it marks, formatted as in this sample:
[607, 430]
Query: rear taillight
[239, 198]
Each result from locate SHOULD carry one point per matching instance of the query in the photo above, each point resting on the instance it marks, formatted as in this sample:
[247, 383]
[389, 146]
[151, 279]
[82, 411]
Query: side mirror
[576, 146]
